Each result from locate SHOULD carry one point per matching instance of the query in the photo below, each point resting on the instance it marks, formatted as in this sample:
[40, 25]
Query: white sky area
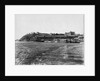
[48, 23]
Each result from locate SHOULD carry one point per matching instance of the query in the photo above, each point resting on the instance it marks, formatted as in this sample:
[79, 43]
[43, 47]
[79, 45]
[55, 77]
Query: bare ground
[36, 53]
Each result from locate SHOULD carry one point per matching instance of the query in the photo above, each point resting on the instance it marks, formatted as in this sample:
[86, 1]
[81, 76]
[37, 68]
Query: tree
[72, 33]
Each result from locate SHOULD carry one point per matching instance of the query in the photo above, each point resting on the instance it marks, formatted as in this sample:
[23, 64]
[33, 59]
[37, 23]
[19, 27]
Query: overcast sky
[45, 23]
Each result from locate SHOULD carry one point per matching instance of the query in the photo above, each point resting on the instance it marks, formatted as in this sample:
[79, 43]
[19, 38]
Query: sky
[48, 23]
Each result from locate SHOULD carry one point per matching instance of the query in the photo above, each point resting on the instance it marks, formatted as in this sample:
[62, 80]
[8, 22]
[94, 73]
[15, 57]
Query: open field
[40, 53]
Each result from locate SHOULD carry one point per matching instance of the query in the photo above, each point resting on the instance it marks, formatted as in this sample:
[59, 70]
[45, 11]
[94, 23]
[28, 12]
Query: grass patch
[28, 53]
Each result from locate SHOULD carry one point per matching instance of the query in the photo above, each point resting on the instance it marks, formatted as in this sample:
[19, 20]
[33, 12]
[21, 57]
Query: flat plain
[42, 53]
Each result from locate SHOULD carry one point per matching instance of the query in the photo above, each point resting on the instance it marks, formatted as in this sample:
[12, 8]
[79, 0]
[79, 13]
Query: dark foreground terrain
[41, 53]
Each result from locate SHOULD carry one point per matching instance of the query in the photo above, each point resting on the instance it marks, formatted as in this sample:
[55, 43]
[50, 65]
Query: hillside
[41, 37]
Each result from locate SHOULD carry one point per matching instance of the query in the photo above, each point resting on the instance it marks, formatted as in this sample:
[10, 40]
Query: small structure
[62, 40]
[55, 40]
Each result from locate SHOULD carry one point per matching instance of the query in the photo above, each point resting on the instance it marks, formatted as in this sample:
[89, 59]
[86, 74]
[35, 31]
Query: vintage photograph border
[12, 70]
